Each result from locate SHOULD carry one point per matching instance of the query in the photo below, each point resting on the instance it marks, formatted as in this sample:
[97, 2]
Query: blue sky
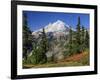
[37, 20]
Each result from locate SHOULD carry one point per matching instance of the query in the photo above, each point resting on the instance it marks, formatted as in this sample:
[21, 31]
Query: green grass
[62, 64]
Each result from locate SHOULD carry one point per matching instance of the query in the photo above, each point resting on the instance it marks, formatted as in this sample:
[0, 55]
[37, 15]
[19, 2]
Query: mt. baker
[56, 27]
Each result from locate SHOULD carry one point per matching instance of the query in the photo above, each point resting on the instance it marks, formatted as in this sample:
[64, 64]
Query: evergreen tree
[39, 50]
[82, 33]
[70, 35]
[70, 40]
[87, 39]
[78, 32]
[27, 38]
[44, 41]
[78, 36]
[70, 46]
[82, 39]
[44, 45]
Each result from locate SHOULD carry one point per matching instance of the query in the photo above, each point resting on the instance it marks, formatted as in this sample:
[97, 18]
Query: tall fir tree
[70, 40]
[44, 45]
[78, 36]
[27, 38]
[82, 33]
[39, 50]
[87, 39]
[78, 32]
[44, 41]
[82, 38]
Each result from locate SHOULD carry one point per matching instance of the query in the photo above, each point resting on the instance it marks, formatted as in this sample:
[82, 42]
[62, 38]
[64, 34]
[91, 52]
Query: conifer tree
[87, 39]
[44, 45]
[82, 38]
[82, 33]
[27, 38]
[78, 32]
[70, 40]
[78, 36]
[44, 41]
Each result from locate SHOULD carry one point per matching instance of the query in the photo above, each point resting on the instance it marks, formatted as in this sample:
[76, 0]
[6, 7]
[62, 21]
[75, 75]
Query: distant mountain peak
[57, 26]
[59, 22]
[56, 29]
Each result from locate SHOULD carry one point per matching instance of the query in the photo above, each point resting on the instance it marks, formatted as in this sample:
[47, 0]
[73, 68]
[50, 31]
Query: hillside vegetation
[66, 47]
[81, 59]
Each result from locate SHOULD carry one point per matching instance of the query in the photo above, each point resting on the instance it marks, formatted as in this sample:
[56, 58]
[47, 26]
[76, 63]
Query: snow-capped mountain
[56, 30]
[56, 27]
